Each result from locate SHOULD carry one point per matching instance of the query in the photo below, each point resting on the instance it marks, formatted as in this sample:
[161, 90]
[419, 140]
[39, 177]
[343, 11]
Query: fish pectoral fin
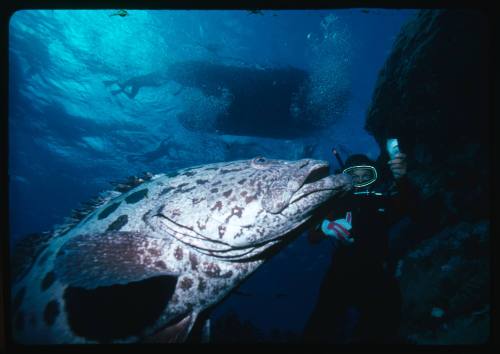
[176, 333]
[110, 258]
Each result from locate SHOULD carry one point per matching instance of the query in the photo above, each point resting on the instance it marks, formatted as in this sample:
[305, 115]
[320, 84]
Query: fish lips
[303, 182]
[330, 185]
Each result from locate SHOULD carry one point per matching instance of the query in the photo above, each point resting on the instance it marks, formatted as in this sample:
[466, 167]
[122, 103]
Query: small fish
[145, 260]
[121, 13]
[255, 12]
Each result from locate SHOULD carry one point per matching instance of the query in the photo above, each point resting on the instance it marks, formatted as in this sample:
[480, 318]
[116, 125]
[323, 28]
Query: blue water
[69, 135]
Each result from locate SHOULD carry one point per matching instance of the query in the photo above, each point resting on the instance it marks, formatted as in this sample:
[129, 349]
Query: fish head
[248, 202]
[294, 191]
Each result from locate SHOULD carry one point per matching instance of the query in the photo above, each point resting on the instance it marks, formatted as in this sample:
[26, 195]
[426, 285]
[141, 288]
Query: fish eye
[260, 163]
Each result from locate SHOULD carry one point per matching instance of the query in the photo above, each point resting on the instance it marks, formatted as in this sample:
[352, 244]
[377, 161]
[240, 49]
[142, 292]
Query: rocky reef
[433, 94]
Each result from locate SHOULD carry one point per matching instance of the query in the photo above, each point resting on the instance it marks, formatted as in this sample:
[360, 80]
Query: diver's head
[361, 169]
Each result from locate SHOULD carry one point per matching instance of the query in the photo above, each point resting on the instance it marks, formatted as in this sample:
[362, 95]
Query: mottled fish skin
[203, 226]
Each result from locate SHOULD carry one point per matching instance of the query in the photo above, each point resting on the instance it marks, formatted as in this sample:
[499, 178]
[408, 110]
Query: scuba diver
[121, 13]
[359, 300]
[132, 86]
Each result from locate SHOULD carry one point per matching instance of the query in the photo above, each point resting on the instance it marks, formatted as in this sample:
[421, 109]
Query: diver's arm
[334, 212]
[406, 199]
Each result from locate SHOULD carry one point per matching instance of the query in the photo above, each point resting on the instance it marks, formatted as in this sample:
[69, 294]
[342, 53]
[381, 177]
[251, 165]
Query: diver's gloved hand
[339, 229]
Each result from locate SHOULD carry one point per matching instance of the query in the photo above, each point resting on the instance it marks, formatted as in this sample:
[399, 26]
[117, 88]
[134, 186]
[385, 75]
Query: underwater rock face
[432, 94]
[445, 283]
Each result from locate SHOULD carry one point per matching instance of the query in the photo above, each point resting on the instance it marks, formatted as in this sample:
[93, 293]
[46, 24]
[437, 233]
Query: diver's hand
[398, 165]
[339, 229]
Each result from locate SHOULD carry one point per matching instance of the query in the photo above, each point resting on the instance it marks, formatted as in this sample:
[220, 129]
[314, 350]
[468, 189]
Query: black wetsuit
[359, 298]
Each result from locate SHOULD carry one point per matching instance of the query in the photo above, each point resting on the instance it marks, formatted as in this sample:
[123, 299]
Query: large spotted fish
[145, 262]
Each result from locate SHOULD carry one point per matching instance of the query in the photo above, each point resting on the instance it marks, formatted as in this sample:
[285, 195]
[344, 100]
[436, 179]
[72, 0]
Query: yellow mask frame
[372, 170]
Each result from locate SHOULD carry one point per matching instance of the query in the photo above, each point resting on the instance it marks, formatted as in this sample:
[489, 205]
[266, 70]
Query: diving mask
[362, 175]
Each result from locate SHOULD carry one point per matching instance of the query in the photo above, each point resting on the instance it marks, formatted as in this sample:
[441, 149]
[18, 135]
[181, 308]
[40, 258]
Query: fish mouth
[317, 173]
[320, 180]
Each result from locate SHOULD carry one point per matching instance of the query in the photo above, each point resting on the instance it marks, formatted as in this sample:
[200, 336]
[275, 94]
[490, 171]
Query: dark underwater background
[225, 85]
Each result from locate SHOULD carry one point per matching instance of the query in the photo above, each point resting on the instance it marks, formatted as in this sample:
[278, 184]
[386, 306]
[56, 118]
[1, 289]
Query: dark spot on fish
[212, 270]
[249, 199]
[201, 226]
[166, 190]
[224, 171]
[211, 168]
[175, 213]
[105, 213]
[189, 173]
[43, 257]
[51, 312]
[182, 185]
[201, 181]
[178, 253]
[116, 225]
[154, 252]
[19, 321]
[202, 285]
[187, 190]
[217, 205]
[197, 200]
[227, 193]
[173, 174]
[241, 181]
[160, 264]
[186, 283]
[48, 280]
[214, 190]
[119, 311]
[18, 299]
[259, 188]
[244, 193]
[228, 274]
[216, 183]
[175, 299]
[242, 267]
[222, 230]
[193, 260]
[137, 196]
[160, 209]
